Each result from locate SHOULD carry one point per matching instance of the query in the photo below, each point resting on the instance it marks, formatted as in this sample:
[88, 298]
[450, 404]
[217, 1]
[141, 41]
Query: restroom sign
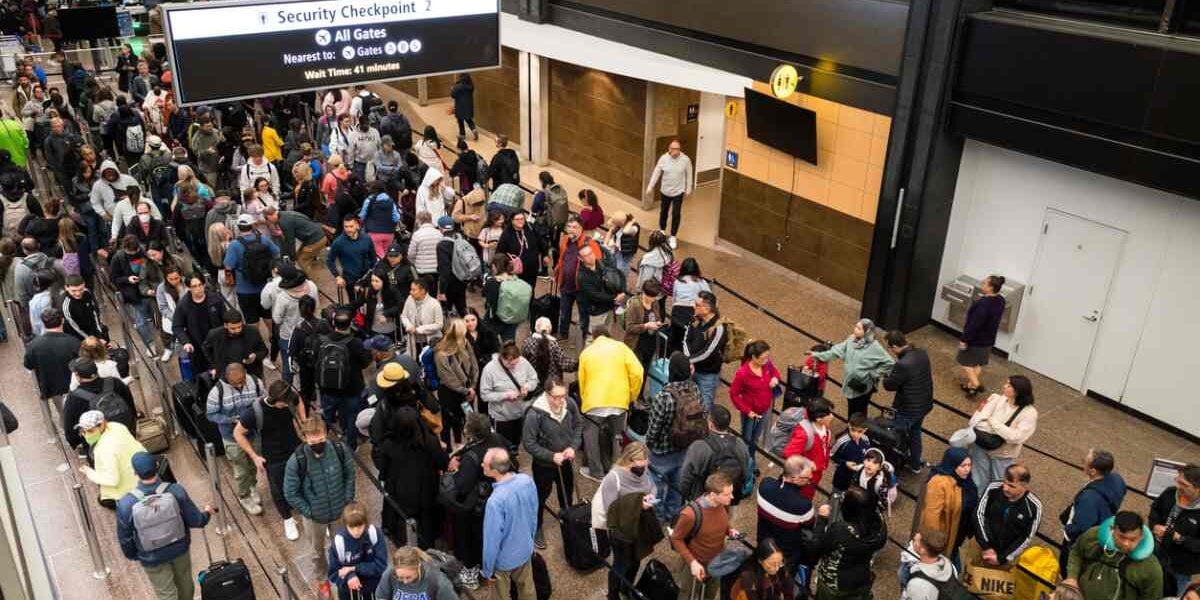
[731, 159]
[784, 80]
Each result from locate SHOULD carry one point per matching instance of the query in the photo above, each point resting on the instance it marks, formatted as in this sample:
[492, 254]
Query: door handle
[1092, 318]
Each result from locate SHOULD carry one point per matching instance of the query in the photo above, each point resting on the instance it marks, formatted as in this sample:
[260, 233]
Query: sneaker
[917, 468]
[323, 590]
[586, 472]
[166, 355]
[470, 578]
[672, 242]
[539, 540]
[250, 505]
[268, 364]
[255, 497]
[290, 531]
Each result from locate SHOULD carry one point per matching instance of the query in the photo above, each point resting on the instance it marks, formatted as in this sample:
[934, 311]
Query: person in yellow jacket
[610, 378]
[272, 143]
[113, 447]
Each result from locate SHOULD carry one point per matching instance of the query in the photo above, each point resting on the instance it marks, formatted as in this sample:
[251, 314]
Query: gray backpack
[465, 262]
[157, 519]
[781, 431]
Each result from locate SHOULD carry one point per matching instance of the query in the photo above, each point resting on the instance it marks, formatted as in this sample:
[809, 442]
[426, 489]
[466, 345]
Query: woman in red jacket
[753, 392]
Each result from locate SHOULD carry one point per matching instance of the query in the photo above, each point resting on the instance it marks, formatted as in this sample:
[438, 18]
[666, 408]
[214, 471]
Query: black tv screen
[781, 125]
[89, 23]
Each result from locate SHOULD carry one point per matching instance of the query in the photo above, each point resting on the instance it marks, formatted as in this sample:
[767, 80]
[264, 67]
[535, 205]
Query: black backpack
[162, 179]
[333, 363]
[108, 402]
[256, 260]
[353, 188]
[725, 459]
[951, 589]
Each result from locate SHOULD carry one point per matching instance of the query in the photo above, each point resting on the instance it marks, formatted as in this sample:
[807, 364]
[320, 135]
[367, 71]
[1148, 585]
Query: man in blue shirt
[168, 566]
[354, 251]
[247, 258]
[509, 523]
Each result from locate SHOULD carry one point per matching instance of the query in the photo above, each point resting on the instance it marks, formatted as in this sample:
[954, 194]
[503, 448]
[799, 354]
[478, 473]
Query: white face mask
[144, 218]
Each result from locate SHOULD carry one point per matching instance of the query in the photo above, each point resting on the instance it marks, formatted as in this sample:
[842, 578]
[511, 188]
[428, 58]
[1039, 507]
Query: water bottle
[185, 366]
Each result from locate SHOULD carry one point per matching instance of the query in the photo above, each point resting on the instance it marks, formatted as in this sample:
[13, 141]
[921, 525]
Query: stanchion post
[99, 569]
[210, 454]
[287, 585]
[48, 416]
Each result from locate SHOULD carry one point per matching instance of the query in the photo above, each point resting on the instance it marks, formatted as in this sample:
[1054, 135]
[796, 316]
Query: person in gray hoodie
[414, 575]
[507, 385]
[553, 433]
[104, 191]
[922, 569]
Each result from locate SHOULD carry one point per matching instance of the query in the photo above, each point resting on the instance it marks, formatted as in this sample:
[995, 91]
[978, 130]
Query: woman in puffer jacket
[865, 364]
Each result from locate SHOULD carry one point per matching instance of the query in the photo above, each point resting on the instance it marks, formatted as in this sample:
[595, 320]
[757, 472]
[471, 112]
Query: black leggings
[511, 431]
[545, 477]
[860, 404]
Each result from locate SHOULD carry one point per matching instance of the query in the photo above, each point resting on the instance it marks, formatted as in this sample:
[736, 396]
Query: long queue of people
[212, 247]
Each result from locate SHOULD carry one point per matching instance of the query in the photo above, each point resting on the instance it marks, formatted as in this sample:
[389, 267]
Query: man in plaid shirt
[666, 458]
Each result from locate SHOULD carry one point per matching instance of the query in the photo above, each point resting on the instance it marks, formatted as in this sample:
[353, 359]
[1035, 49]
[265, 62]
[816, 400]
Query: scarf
[868, 334]
[950, 461]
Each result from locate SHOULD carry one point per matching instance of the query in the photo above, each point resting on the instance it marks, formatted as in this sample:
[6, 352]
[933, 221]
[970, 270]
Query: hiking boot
[290, 531]
[539, 540]
[250, 505]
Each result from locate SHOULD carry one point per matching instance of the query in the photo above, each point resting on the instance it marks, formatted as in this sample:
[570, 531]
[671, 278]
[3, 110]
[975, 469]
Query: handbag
[991, 441]
[802, 383]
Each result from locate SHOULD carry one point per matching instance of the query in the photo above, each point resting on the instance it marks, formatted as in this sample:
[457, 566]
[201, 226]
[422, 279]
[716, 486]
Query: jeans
[142, 314]
[602, 440]
[333, 406]
[546, 477]
[752, 432]
[665, 205]
[507, 332]
[664, 468]
[287, 362]
[707, 382]
[912, 424]
[986, 468]
[360, 170]
[624, 568]
[569, 299]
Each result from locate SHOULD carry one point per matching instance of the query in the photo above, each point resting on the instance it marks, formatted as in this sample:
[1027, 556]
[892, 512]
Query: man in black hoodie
[235, 343]
[506, 165]
[196, 314]
[81, 312]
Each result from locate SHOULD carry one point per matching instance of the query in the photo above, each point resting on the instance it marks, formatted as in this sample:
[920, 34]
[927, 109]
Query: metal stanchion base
[100, 575]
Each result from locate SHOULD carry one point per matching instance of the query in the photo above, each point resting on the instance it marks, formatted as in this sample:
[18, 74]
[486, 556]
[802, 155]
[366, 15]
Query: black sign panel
[222, 51]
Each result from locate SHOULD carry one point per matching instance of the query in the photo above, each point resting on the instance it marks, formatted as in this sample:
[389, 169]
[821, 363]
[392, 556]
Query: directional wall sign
[223, 51]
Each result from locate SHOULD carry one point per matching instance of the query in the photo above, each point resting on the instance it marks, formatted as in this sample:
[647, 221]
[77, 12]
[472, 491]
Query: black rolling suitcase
[889, 437]
[547, 305]
[121, 357]
[189, 406]
[585, 548]
[656, 582]
[224, 579]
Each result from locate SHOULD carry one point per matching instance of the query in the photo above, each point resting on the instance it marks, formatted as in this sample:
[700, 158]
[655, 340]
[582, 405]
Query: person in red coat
[753, 392]
[820, 415]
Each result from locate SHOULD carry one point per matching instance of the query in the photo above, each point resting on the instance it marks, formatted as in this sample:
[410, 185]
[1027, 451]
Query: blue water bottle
[185, 365]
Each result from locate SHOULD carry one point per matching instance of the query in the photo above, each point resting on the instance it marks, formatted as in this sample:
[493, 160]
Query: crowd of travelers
[211, 225]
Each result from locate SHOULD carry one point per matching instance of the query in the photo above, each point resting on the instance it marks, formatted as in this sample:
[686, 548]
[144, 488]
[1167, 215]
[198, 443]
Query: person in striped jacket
[783, 510]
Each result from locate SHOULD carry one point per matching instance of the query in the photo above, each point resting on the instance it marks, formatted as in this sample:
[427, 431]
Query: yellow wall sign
[731, 109]
[784, 80]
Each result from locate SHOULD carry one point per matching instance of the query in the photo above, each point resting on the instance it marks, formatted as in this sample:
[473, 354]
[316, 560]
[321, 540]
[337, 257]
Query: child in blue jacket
[848, 453]
[358, 555]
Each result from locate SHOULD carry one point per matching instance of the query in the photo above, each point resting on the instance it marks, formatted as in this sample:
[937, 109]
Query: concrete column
[649, 152]
[710, 145]
[524, 102]
[422, 91]
[539, 110]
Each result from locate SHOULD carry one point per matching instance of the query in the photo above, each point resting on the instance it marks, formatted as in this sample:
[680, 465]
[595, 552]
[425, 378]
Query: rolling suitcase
[224, 579]
[547, 305]
[656, 582]
[121, 357]
[585, 548]
[152, 433]
[189, 409]
[889, 437]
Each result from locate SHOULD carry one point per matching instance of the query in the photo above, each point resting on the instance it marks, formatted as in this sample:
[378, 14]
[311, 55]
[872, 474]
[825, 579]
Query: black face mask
[317, 448]
[639, 471]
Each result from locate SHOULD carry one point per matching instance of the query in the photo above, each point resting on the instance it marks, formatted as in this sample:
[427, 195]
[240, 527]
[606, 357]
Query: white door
[1068, 292]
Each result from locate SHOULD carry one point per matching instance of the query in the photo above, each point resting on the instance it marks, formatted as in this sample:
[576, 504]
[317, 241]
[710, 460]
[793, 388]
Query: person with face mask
[1116, 560]
[144, 226]
[319, 482]
[629, 476]
[235, 343]
[126, 270]
[113, 447]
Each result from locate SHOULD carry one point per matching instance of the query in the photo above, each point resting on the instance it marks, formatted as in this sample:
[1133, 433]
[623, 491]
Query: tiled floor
[1069, 425]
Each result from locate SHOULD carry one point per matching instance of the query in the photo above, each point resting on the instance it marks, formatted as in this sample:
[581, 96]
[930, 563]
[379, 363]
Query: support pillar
[649, 151]
[533, 83]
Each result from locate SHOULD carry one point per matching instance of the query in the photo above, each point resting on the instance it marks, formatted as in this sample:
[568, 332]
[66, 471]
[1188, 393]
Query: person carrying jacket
[169, 568]
[1097, 501]
[1007, 518]
[319, 482]
[610, 379]
[703, 456]
[553, 433]
[1175, 521]
[912, 380]
[1115, 561]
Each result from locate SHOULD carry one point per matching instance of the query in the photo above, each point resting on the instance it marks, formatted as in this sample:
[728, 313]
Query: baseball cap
[145, 465]
[90, 420]
[379, 343]
[245, 220]
[445, 222]
[84, 367]
[395, 250]
[391, 374]
[153, 141]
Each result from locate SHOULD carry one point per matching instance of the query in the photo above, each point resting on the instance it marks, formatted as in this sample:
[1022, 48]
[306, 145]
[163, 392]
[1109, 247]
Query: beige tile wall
[849, 169]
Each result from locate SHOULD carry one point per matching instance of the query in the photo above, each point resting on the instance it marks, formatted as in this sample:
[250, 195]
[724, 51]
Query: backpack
[194, 211]
[735, 342]
[465, 263]
[512, 306]
[353, 188]
[690, 423]
[135, 139]
[953, 589]
[333, 363]
[162, 179]
[256, 260]
[781, 431]
[370, 101]
[670, 272]
[107, 402]
[450, 566]
[386, 171]
[725, 459]
[481, 171]
[557, 206]
[430, 368]
[339, 545]
[157, 518]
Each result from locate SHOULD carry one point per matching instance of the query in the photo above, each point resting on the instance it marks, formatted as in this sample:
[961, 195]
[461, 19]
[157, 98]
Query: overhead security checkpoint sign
[222, 51]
